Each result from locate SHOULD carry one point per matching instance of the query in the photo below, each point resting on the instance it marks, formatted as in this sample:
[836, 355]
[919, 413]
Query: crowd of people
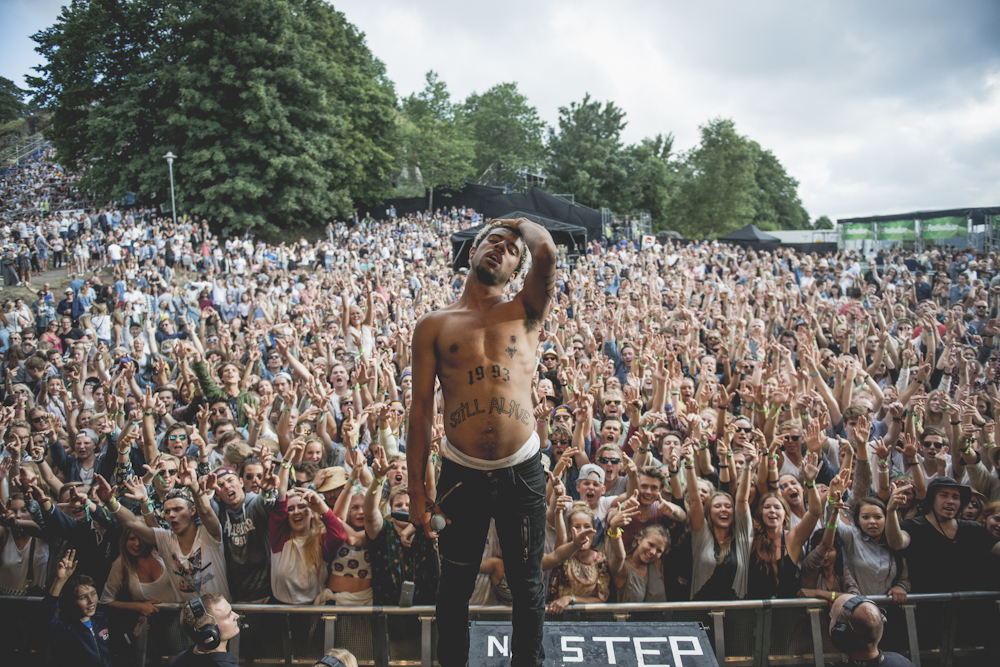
[203, 413]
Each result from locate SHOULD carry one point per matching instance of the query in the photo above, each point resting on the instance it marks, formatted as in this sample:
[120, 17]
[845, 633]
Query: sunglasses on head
[604, 460]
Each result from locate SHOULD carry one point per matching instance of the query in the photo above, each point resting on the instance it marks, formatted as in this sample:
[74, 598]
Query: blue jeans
[515, 498]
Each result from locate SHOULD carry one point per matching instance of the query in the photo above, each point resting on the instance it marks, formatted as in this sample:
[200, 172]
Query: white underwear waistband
[528, 449]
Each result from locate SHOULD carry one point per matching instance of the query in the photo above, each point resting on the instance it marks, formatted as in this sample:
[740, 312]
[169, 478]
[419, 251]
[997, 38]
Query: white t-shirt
[201, 571]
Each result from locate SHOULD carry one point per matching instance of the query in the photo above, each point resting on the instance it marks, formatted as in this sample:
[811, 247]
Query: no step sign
[586, 644]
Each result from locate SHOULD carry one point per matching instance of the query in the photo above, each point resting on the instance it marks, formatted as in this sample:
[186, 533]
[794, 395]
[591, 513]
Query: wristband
[614, 534]
[883, 465]
[729, 453]
[814, 375]
[378, 486]
[809, 485]
[703, 446]
[144, 510]
[147, 413]
[688, 466]
[115, 511]
[573, 601]
[956, 423]
[830, 500]
[832, 526]
[287, 465]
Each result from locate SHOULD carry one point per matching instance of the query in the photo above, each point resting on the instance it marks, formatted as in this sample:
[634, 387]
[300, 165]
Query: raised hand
[67, 566]
[186, 475]
[909, 447]
[898, 497]
[810, 467]
[104, 490]
[136, 490]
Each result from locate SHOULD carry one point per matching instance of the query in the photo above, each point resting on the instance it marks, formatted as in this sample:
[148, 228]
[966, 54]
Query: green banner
[897, 230]
[856, 231]
[944, 228]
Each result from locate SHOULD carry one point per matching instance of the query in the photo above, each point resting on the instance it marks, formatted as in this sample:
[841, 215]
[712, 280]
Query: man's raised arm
[540, 283]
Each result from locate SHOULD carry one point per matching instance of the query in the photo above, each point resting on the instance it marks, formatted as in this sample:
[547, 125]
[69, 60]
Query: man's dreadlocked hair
[485, 231]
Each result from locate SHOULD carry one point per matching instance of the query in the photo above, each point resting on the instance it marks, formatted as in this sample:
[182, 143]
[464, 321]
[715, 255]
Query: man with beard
[937, 540]
[482, 348]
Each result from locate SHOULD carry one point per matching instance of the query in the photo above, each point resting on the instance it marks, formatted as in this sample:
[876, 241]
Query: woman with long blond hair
[305, 535]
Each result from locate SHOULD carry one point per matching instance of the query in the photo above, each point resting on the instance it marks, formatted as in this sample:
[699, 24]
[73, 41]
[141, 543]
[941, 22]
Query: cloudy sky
[875, 108]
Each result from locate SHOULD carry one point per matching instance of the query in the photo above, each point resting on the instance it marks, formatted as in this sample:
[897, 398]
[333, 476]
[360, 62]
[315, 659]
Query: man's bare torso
[485, 361]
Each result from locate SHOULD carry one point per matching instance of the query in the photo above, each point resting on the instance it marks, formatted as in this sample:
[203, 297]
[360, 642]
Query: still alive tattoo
[498, 405]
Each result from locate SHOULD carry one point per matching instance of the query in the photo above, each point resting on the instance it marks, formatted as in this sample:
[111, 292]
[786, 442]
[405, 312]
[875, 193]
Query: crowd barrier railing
[931, 629]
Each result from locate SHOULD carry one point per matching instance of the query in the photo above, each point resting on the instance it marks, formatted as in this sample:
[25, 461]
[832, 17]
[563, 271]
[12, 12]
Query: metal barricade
[929, 629]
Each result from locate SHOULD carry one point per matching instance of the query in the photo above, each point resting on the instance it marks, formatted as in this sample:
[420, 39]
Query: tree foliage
[433, 138]
[823, 222]
[507, 135]
[12, 104]
[650, 179]
[277, 110]
[585, 156]
[729, 181]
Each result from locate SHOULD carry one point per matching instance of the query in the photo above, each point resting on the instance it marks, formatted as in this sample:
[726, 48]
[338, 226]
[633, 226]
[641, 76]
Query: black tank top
[761, 584]
[720, 585]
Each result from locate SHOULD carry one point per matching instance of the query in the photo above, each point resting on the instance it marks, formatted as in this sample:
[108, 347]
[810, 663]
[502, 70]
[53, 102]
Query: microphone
[437, 521]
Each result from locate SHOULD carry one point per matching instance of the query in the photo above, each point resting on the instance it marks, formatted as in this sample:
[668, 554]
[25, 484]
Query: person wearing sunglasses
[176, 440]
[610, 459]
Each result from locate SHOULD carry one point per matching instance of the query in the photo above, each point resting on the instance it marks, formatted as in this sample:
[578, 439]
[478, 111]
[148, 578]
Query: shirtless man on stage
[483, 350]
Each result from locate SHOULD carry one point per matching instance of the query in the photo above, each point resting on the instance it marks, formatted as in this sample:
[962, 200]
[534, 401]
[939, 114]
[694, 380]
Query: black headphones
[330, 661]
[207, 636]
[842, 635]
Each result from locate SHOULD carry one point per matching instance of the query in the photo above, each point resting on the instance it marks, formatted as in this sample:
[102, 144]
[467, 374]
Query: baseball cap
[562, 410]
[591, 471]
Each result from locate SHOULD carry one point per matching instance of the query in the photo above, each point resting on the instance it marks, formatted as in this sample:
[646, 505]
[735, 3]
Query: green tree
[277, 110]
[718, 192]
[585, 155]
[778, 205]
[823, 222]
[433, 138]
[650, 179]
[729, 181]
[12, 104]
[507, 133]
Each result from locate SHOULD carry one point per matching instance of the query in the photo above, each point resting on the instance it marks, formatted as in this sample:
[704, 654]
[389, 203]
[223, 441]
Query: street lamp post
[170, 163]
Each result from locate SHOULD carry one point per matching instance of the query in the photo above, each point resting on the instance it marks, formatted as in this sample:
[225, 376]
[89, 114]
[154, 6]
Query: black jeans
[515, 498]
